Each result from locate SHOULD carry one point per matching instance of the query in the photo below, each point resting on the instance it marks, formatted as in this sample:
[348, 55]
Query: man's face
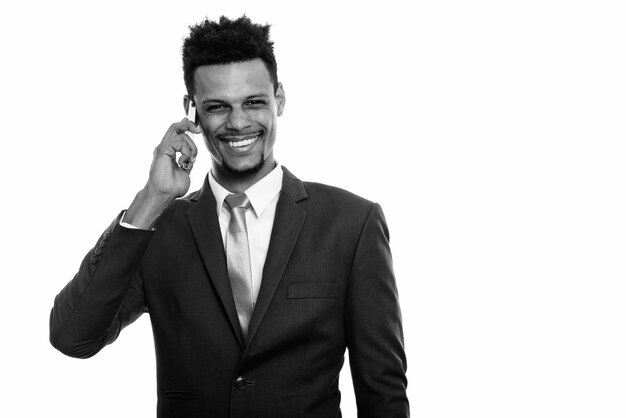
[237, 110]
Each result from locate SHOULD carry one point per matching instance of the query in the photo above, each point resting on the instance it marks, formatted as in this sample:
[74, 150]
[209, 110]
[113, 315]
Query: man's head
[225, 42]
[230, 75]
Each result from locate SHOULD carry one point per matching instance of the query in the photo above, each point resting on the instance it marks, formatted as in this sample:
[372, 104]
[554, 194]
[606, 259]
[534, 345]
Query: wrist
[146, 208]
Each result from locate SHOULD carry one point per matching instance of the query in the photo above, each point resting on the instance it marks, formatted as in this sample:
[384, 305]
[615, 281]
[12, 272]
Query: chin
[247, 170]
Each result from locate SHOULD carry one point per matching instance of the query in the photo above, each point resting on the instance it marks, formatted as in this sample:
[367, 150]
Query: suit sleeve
[374, 325]
[105, 295]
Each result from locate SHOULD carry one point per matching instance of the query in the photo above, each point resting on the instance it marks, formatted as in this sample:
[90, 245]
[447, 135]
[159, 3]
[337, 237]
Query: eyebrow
[253, 96]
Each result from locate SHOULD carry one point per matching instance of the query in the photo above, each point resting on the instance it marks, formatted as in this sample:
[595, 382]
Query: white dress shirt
[263, 196]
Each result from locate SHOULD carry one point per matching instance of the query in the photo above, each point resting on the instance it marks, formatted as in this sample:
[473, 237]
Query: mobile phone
[191, 112]
[191, 115]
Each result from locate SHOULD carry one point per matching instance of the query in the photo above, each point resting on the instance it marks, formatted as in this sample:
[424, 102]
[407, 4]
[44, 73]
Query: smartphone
[191, 112]
[191, 115]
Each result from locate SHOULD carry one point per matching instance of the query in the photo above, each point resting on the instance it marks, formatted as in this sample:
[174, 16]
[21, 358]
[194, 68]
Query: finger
[192, 147]
[185, 165]
[185, 152]
[173, 145]
[188, 149]
[195, 127]
[183, 126]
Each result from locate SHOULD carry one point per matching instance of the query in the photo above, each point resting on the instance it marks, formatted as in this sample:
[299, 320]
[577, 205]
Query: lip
[240, 137]
[242, 147]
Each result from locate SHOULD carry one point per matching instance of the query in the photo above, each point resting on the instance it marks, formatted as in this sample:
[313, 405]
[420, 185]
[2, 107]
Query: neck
[240, 182]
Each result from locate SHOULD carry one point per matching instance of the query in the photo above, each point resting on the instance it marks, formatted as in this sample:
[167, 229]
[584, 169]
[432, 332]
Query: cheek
[208, 128]
[212, 124]
[271, 139]
[212, 149]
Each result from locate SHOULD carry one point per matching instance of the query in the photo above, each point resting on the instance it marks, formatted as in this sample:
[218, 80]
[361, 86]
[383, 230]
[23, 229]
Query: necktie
[238, 259]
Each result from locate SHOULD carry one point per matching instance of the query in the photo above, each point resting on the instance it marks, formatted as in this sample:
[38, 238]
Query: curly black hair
[225, 42]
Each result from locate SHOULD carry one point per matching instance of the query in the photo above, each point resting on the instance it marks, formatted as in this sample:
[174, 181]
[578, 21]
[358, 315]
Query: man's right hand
[168, 179]
[167, 176]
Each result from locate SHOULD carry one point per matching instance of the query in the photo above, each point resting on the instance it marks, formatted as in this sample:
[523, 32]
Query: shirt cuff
[130, 226]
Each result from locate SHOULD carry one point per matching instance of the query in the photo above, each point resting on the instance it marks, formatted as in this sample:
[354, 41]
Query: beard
[251, 170]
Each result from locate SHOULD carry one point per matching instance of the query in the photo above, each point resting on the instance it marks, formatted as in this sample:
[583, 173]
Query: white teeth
[243, 143]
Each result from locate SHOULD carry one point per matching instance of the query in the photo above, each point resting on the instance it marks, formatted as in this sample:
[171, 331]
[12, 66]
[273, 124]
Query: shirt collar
[260, 193]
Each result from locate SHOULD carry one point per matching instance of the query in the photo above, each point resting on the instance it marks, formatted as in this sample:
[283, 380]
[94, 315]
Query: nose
[237, 119]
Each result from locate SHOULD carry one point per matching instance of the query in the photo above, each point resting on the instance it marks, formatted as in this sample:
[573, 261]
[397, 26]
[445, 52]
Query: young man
[257, 283]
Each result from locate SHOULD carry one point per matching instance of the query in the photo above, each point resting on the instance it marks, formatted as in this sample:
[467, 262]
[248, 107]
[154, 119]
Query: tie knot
[237, 200]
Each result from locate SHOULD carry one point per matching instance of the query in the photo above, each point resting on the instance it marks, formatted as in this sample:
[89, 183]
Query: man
[255, 284]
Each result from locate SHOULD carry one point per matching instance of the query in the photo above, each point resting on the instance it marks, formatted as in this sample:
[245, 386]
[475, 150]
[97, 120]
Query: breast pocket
[313, 291]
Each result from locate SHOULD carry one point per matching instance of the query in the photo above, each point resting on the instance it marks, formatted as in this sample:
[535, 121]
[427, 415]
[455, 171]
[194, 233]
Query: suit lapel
[287, 225]
[204, 223]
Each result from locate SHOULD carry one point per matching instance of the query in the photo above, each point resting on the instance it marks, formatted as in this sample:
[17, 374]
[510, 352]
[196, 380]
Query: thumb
[192, 127]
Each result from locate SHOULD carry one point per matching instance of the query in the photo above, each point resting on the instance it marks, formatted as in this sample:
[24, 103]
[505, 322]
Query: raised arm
[106, 294]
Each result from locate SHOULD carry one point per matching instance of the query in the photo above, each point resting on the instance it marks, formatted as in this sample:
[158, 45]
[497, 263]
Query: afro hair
[225, 42]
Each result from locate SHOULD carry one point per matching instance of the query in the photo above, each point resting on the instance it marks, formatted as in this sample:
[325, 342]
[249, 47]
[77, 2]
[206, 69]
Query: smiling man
[257, 283]
[238, 104]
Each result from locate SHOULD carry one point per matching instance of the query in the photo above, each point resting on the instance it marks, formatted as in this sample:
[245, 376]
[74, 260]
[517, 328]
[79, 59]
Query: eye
[216, 108]
[255, 103]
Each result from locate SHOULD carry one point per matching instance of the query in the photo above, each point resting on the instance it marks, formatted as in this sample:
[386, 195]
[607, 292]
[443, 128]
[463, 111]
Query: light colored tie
[238, 259]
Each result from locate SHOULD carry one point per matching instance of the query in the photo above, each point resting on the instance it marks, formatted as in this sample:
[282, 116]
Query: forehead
[232, 81]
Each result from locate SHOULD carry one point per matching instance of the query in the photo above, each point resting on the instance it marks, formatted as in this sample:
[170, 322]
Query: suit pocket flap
[313, 290]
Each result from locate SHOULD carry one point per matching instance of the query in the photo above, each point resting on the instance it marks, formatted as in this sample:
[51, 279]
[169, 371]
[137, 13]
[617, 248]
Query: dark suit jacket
[327, 284]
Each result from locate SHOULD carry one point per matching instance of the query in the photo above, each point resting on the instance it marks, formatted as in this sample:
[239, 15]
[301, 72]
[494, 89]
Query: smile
[240, 142]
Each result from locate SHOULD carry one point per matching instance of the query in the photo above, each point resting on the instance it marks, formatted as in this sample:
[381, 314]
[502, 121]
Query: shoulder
[337, 207]
[325, 199]
[335, 195]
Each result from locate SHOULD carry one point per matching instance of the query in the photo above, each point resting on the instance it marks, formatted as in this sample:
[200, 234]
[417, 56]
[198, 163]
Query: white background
[491, 132]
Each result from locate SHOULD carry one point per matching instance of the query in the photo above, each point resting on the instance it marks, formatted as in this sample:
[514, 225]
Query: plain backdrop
[491, 132]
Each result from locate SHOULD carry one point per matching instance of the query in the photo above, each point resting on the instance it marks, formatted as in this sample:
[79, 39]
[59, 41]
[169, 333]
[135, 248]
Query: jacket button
[103, 243]
[240, 383]
[94, 259]
[98, 251]
[106, 235]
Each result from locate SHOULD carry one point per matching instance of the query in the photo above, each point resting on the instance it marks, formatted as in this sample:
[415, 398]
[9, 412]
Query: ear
[280, 98]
